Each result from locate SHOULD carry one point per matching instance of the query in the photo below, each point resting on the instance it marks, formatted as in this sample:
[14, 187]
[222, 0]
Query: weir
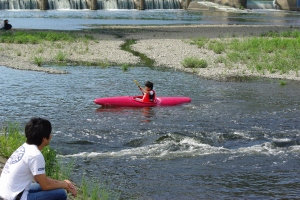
[89, 4]
[16, 4]
[261, 4]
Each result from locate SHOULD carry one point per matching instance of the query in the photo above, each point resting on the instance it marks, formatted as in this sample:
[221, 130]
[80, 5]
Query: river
[235, 140]
[82, 19]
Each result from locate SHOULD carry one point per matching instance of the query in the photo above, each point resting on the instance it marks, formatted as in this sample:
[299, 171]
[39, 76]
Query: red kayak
[135, 101]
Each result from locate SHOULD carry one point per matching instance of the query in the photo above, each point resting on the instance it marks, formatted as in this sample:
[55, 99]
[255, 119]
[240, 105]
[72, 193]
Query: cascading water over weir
[261, 4]
[140, 4]
[90, 4]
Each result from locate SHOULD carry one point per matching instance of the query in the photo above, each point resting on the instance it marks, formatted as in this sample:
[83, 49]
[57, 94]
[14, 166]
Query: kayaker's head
[149, 85]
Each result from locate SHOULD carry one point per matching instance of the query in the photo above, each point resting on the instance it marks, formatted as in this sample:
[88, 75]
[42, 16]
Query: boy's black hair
[37, 129]
[149, 85]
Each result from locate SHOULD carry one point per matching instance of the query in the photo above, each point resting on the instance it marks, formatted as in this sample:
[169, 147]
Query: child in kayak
[148, 92]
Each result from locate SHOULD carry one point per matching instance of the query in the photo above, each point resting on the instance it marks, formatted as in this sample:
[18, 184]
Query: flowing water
[235, 140]
[116, 4]
[74, 19]
[264, 4]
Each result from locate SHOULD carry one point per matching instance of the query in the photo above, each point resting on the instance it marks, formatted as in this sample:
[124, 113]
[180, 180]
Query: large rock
[288, 4]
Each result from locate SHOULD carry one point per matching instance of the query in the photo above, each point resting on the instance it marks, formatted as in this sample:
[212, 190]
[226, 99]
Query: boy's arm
[47, 183]
[143, 90]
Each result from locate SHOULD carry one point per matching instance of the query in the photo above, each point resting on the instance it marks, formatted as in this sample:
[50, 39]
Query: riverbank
[167, 45]
[2, 163]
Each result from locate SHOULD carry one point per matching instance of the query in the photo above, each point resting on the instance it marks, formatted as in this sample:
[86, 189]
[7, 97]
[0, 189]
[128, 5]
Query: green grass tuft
[192, 62]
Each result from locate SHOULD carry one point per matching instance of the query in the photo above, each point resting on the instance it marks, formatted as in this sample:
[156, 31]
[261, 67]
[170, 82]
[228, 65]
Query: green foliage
[241, 7]
[38, 60]
[32, 37]
[93, 190]
[103, 64]
[61, 56]
[192, 62]
[273, 51]
[52, 166]
[200, 41]
[216, 46]
[125, 67]
[10, 139]
[283, 83]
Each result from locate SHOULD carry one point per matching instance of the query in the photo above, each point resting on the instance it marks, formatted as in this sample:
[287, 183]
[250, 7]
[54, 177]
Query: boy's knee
[63, 194]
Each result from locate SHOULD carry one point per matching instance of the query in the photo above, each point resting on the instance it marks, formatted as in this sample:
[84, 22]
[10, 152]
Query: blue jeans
[36, 193]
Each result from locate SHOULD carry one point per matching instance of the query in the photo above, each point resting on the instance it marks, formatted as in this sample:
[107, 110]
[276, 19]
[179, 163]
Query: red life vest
[149, 97]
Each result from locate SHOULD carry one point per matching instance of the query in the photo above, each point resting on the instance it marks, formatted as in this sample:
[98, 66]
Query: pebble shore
[166, 45]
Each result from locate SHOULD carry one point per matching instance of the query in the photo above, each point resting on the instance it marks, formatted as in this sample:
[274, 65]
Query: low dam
[89, 4]
[141, 4]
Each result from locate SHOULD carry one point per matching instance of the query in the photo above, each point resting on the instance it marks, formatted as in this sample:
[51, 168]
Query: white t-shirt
[19, 171]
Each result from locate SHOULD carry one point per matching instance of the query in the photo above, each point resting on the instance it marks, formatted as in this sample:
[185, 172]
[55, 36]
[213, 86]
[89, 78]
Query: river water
[82, 19]
[235, 140]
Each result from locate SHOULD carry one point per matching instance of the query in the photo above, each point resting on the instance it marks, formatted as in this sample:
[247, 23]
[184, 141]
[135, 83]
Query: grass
[32, 37]
[282, 83]
[11, 139]
[192, 62]
[38, 60]
[125, 67]
[61, 56]
[200, 41]
[271, 52]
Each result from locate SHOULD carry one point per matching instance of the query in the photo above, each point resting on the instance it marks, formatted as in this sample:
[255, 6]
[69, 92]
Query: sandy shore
[167, 45]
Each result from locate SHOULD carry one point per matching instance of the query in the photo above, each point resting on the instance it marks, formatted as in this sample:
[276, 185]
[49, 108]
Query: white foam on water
[187, 146]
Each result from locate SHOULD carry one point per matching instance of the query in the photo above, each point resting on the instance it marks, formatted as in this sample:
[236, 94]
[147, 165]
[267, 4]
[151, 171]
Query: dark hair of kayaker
[149, 85]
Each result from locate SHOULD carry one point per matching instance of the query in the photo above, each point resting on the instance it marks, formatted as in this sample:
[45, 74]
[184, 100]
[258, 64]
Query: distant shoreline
[166, 45]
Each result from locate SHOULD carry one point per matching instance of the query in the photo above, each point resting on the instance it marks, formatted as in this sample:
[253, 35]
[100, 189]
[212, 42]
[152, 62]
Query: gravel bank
[165, 44]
